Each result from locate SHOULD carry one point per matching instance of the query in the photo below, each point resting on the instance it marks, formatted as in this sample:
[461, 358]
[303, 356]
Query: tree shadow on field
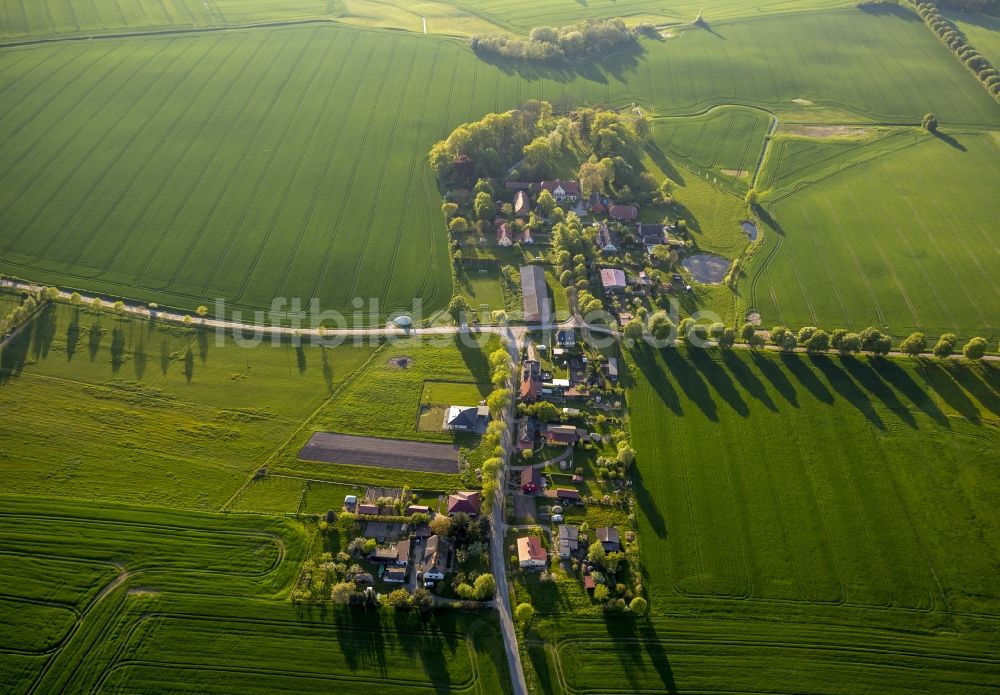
[747, 379]
[14, 354]
[867, 376]
[473, 355]
[164, 355]
[649, 506]
[949, 140]
[657, 378]
[982, 381]
[201, 336]
[774, 374]
[663, 162]
[300, 358]
[896, 377]
[805, 376]
[94, 339]
[625, 630]
[719, 379]
[140, 358]
[45, 331]
[73, 334]
[117, 348]
[362, 639]
[540, 664]
[842, 383]
[684, 372]
[189, 365]
[768, 219]
[949, 390]
[593, 68]
[327, 369]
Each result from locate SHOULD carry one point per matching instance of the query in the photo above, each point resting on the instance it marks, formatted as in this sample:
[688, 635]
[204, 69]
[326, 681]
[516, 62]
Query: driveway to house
[556, 459]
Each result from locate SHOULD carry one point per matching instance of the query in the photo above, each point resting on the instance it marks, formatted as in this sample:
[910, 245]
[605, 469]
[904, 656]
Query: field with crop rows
[725, 143]
[289, 162]
[982, 30]
[116, 409]
[819, 525]
[904, 241]
[142, 599]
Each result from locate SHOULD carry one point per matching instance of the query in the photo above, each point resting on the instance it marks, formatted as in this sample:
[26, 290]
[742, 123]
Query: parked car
[557, 518]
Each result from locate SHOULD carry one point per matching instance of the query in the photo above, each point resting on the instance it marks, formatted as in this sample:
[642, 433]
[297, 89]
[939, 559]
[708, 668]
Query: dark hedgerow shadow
[866, 375]
[774, 374]
[642, 631]
[44, 332]
[949, 390]
[94, 338]
[841, 382]
[807, 377]
[949, 140]
[982, 381]
[719, 380]
[594, 68]
[73, 334]
[649, 365]
[898, 378]
[747, 379]
[14, 355]
[646, 503]
[690, 381]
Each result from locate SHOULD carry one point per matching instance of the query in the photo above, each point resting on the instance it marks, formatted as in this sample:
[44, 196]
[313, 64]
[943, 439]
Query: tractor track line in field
[822, 256]
[266, 168]
[185, 199]
[164, 139]
[168, 227]
[66, 223]
[415, 161]
[366, 241]
[291, 179]
[314, 200]
[72, 172]
[328, 254]
[250, 143]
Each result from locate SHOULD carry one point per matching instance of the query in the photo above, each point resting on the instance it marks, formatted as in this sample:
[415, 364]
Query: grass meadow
[817, 524]
[110, 409]
[289, 162]
[142, 599]
[897, 234]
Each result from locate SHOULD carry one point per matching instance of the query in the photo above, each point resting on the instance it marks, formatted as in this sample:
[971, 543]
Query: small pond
[707, 267]
[750, 229]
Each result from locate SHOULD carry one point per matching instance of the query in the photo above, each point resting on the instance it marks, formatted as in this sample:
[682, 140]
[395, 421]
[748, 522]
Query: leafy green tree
[686, 329]
[75, 299]
[805, 333]
[975, 349]
[342, 592]
[716, 330]
[633, 330]
[601, 592]
[458, 306]
[945, 345]
[524, 612]
[818, 341]
[914, 344]
[837, 337]
[875, 341]
[929, 123]
[756, 341]
[545, 203]
[638, 605]
[727, 339]
[613, 562]
[777, 335]
[202, 311]
[483, 206]
[788, 342]
[752, 198]
[596, 553]
[458, 225]
[850, 343]
[747, 332]
[399, 599]
[484, 186]
[485, 585]
[626, 454]
[449, 210]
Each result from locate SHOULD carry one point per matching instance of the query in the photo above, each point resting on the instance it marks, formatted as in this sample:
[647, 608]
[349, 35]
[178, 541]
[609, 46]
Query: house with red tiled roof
[623, 213]
[562, 191]
[530, 553]
[464, 501]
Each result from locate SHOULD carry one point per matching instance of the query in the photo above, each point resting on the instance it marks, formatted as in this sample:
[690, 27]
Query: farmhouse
[504, 237]
[467, 418]
[530, 553]
[613, 279]
[562, 191]
[435, 562]
[521, 205]
[565, 435]
[623, 213]
[464, 502]
[526, 429]
[417, 509]
[383, 554]
[609, 538]
[651, 234]
[395, 575]
[566, 338]
[531, 381]
[569, 541]
[566, 494]
[531, 480]
[534, 293]
[610, 368]
[368, 508]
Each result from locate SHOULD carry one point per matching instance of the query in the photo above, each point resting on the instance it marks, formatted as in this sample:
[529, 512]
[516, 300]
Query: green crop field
[982, 30]
[818, 525]
[903, 240]
[288, 162]
[120, 598]
[725, 143]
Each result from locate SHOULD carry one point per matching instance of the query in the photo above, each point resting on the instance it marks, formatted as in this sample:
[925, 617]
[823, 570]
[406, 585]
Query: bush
[584, 39]
[975, 349]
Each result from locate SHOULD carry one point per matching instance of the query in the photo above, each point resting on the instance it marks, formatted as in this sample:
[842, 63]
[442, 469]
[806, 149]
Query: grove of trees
[585, 39]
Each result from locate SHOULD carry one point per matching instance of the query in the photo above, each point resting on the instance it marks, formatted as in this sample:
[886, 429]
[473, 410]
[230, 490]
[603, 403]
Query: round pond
[706, 267]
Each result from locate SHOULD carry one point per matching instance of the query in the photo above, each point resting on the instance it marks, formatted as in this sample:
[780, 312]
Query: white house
[530, 553]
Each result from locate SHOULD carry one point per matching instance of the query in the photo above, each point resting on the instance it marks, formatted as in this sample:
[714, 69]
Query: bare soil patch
[402, 362]
[827, 131]
[738, 173]
[802, 102]
[330, 447]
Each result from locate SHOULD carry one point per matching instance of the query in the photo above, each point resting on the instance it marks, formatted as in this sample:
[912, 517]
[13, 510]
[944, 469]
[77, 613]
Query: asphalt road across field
[329, 447]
